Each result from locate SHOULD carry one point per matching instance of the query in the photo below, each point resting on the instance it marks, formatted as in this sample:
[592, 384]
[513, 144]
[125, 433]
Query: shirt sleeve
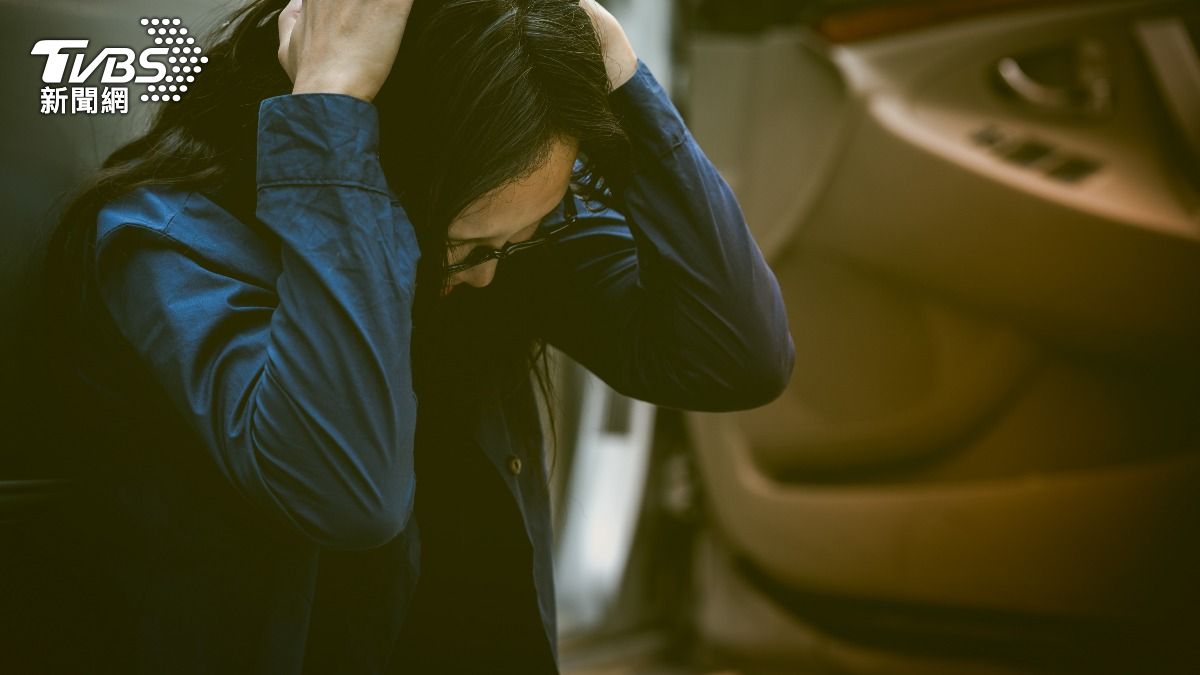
[299, 386]
[669, 301]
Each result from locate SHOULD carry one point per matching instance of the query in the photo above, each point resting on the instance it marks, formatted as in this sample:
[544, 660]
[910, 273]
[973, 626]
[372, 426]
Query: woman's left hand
[620, 61]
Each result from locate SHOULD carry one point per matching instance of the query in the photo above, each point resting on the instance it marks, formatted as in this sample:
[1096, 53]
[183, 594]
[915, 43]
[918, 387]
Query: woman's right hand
[341, 46]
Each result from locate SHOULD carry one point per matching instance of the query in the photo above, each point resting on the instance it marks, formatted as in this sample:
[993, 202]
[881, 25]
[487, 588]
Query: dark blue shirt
[271, 531]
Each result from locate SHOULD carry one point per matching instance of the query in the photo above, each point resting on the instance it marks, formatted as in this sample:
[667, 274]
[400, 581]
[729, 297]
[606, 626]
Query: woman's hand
[619, 58]
[341, 46]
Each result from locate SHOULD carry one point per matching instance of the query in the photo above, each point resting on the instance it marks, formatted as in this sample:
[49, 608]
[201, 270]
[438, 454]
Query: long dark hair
[479, 91]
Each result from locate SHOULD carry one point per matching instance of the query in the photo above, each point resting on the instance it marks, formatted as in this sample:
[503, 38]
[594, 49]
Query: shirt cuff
[647, 113]
[319, 139]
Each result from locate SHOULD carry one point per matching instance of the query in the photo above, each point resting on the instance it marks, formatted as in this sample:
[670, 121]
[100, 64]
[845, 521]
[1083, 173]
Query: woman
[307, 302]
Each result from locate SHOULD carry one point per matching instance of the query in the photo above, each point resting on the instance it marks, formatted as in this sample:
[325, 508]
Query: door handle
[1090, 92]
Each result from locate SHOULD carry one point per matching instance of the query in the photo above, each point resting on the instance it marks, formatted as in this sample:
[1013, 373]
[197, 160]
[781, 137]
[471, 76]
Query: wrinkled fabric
[286, 357]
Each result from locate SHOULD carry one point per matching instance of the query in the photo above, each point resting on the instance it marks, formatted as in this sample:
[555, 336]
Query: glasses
[480, 255]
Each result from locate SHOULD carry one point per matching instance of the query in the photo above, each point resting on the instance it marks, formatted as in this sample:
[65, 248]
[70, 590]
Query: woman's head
[486, 111]
[506, 214]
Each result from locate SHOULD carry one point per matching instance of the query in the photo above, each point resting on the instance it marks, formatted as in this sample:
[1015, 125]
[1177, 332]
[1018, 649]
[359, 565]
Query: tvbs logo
[167, 68]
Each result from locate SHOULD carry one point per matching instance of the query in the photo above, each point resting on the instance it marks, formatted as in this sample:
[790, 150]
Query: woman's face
[509, 214]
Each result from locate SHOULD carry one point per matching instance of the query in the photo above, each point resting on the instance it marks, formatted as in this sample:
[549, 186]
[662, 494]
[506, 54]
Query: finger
[287, 25]
[287, 20]
[598, 16]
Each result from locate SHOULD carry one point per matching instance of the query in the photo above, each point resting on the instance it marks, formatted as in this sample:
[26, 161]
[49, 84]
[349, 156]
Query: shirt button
[514, 465]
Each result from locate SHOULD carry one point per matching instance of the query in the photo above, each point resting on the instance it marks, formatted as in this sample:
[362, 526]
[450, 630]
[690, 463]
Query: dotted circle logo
[184, 60]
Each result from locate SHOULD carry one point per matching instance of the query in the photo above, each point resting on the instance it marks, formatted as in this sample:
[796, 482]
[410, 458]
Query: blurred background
[985, 218]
